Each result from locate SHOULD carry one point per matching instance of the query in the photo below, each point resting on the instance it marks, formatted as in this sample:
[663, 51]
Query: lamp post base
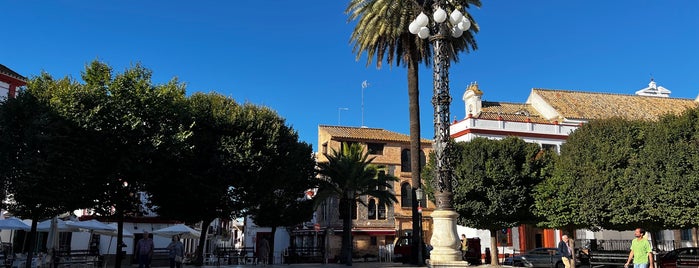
[430, 263]
[445, 240]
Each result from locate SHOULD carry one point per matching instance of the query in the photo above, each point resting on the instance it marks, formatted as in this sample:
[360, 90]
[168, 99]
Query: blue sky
[295, 56]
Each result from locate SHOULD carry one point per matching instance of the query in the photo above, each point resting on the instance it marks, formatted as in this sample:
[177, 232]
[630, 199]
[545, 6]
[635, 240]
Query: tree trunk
[494, 255]
[32, 243]
[571, 242]
[347, 235]
[415, 148]
[270, 253]
[199, 260]
[120, 237]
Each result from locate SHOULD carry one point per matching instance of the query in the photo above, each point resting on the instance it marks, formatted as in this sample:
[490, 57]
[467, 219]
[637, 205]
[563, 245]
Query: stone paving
[316, 265]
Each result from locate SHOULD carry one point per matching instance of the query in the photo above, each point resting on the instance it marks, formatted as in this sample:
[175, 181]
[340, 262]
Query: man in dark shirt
[566, 251]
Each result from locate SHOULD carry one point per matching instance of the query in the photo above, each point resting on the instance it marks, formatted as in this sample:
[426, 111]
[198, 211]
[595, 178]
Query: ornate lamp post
[419, 196]
[440, 30]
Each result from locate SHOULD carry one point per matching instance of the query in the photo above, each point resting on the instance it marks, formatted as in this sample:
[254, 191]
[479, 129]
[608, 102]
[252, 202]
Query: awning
[369, 232]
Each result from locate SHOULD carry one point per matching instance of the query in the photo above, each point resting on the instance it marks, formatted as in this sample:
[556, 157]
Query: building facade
[374, 225]
[10, 81]
[547, 118]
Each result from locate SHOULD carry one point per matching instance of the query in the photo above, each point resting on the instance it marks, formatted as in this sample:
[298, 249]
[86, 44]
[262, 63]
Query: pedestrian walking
[144, 249]
[641, 253]
[566, 251]
[263, 251]
[175, 252]
[464, 247]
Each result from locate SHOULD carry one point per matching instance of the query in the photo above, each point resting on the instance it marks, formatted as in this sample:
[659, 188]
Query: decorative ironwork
[441, 100]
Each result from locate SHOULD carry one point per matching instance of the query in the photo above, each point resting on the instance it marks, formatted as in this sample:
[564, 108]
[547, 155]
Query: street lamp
[440, 31]
[419, 196]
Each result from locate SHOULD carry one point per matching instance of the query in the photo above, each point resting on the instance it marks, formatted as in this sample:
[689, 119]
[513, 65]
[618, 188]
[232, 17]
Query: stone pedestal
[445, 240]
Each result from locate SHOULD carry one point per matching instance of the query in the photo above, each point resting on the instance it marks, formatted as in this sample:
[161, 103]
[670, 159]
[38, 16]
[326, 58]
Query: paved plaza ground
[314, 265]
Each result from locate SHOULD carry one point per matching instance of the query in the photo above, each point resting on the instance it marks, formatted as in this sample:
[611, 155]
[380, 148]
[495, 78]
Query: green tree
[200, 177]
[134, 119]
[347, 175]
[278, 192]
[239, 159]
[665, 177]
[43, 165]
[495, 181]
[382, 32]
[597, 163]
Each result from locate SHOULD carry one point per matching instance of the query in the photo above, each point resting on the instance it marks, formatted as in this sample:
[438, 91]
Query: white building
[546, 118]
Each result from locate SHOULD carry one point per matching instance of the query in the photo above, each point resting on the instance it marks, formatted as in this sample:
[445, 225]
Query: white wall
[281, 238]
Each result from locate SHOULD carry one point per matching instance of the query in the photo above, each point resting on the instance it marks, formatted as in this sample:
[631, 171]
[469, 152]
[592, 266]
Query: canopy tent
[91, 225]
[182, 230]
[113, 232]
[61, 226]
[13, 224]
[52, 242]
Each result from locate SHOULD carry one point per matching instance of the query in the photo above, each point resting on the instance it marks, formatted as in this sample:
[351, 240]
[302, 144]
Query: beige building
[373, 225]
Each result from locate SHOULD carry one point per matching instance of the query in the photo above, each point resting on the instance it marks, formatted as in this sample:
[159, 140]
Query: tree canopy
[121, 136]
[495, 181]
[619, 175]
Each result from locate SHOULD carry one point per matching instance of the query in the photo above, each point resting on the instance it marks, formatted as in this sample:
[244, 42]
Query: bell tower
[472, 99]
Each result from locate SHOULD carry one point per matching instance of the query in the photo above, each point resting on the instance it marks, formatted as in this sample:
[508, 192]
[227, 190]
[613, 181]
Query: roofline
[606, 93]
[12, 74]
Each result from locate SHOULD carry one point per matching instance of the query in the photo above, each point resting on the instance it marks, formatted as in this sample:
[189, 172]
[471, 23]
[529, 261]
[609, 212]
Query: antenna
[338, 114]
[365, 84]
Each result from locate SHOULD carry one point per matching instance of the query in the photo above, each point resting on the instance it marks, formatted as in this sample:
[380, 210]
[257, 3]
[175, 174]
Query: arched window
[371, 210]
[405, 160]
[382, 211]
[406, 197]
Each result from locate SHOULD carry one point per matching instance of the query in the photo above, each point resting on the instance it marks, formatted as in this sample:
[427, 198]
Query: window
[405, 160]
[406, 197]
[686, 235]
[382, 173]
[382, 211]
[371, 210]
[346, 144]
[325, 148]
[4, 90]
[375, 148]
[548, 147]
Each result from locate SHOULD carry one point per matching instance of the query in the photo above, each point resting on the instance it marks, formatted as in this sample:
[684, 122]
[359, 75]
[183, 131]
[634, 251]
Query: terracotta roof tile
[591, 105]
[517, 112]
[365, 133]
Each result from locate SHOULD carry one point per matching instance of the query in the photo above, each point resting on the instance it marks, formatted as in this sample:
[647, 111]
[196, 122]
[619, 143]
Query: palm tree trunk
[415, 165]
[347, 234]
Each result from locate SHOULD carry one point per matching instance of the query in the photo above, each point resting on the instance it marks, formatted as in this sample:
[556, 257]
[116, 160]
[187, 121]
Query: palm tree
[382, 32]
[347, 175]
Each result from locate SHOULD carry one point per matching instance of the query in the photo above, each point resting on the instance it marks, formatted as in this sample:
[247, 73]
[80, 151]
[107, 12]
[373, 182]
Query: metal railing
[624, 244]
